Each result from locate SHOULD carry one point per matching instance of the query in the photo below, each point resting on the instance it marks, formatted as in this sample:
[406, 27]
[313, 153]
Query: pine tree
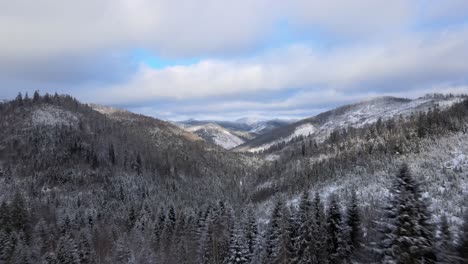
[319, 233]
[354, 232]
[132, 216]
[18, 213]
[112, 157]
[251, 231]
[238, 248]
[171, 218]
[294, 225]
[67, 251]
[276, 250]
[7, 246]
[446, 253]
[50, 258]
[5, 218]
[408, 234]
[123, 254]
[22, 254]
[36, 97]
[86, 253]
[334, 227]
[304, 241]
[19, 99]
[463, 246]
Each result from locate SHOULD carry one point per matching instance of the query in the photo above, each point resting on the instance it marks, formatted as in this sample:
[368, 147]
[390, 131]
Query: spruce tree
[67, 251]
[5, 218]
[22, 254]
[86, 253]
[293, 232]
[446, 253]
[319, 233]
[408, 233]
[7, 246]
[276, 250]
[304, 241]
[463, 246]
[353, 225]
[251, 231]
[18, 213]
[238, 248]
[334, 227]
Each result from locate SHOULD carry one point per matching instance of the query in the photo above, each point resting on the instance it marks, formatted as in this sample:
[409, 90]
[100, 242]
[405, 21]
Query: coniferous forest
[81, 186]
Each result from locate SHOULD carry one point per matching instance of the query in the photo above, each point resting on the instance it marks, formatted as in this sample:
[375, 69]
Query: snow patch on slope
[51, 116]
[363, 114]
[217, 134]
[302, 130]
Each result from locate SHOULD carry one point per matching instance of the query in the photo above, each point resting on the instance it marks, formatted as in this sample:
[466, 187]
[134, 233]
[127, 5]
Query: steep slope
[63, 142]
[355, 115]
[434, 144]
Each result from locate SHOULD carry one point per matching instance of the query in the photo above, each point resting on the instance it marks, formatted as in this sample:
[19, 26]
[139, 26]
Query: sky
[213, 59]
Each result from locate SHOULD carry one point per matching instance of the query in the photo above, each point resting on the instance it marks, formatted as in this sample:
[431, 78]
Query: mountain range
[230, 134]
[84, 183]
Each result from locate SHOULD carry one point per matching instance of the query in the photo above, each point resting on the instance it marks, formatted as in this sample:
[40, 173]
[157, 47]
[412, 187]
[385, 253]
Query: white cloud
[183, 27]
[379, 47]
[409, 63]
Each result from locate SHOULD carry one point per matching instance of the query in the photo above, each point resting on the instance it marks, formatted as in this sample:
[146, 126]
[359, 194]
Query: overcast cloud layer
[228, 59]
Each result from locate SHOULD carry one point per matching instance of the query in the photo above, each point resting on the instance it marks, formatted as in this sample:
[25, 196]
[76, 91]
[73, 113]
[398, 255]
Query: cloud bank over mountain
[178, 59]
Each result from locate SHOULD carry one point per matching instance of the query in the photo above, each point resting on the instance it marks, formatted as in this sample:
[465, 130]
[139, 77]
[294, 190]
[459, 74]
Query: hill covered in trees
[83, 184]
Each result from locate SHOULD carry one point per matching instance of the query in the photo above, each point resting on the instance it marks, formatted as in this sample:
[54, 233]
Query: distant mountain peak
[249, 120]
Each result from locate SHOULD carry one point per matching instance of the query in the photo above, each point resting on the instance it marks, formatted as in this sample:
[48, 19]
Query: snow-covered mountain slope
[53, 116]
[440, 166]
[229, 134]
[216, 134]
[354, 115]
[253, 126]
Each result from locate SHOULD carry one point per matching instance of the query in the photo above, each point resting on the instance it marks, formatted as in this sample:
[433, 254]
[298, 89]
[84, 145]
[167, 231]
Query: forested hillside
[355, 115]
[82, 184]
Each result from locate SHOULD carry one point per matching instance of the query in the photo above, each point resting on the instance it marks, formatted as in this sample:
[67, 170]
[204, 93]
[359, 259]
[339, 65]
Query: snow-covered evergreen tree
[7, 246]
[293, 232]
[250, 230]
[335, 232]
[86, 252]
[353, 228]
[409, 235]
[67, 252]
[304, 241]
[463, 247]
[276, 244]
[445, 247]
[238, 248]
[319, 233]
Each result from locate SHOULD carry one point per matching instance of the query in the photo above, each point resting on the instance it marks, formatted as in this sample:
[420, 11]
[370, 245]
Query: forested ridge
[79, 186]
